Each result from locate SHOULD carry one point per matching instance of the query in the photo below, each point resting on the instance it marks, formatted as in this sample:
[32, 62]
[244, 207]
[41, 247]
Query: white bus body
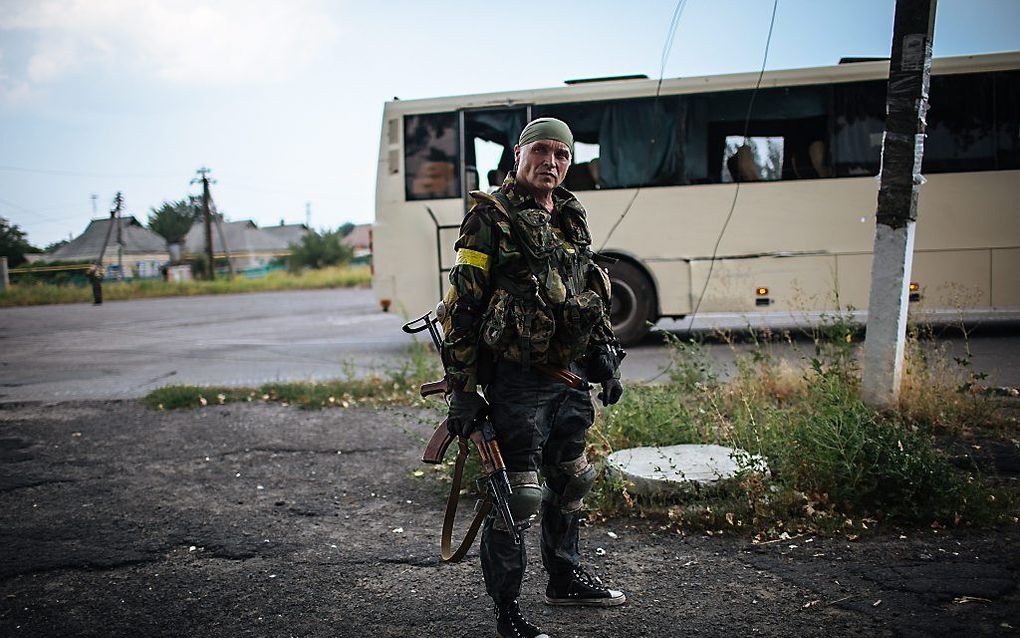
[801, 232]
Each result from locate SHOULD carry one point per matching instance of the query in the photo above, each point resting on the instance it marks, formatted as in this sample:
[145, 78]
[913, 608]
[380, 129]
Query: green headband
[547, 128]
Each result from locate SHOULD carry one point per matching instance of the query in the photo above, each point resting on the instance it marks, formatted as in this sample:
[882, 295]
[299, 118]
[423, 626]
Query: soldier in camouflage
[527, 294]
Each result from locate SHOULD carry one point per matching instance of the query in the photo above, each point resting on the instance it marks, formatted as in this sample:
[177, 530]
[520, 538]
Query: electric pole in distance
[203, 173]
[120, 237]
[902, 150]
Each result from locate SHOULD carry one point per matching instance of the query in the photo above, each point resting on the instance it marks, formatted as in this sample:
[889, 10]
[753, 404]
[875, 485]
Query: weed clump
[834, 463]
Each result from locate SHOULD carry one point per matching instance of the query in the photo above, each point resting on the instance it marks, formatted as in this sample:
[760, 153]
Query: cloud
[188, 42]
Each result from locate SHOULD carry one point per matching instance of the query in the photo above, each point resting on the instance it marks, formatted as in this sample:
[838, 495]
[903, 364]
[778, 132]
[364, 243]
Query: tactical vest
[547, 292]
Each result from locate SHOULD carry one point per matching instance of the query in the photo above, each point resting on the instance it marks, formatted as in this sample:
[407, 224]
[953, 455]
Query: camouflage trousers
[538, 422]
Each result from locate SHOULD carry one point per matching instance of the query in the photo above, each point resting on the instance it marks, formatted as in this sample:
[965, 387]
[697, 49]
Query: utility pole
[308, 214]
[203, 172]
[94, 198]
[109, 229]
[902, 150]
[223, 238]
[120, 239]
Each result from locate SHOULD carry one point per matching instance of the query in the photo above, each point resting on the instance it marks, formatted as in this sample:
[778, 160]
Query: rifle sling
[446, 540]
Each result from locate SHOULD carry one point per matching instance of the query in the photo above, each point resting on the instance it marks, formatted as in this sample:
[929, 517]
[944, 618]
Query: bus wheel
[633, 302]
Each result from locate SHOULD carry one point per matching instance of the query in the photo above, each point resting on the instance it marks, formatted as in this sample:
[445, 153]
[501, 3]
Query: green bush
[320, 249]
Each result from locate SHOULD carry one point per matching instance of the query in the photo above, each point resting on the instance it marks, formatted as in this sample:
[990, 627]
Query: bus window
[787, 135]
[584, 171]
[1007, 119]
[430, 156]
[489, 140]
[859, 109]
[621, 143]
[960, 124]
[753, 159]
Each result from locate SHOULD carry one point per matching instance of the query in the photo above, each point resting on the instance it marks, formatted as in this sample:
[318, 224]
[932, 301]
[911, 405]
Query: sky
[283, 100]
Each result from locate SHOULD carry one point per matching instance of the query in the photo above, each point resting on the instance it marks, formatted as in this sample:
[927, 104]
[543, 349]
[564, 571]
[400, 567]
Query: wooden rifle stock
[492, 458]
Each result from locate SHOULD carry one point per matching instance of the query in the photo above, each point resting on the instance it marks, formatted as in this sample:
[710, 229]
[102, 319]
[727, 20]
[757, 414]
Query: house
[360, 240]
[141, 250]
[248, 245]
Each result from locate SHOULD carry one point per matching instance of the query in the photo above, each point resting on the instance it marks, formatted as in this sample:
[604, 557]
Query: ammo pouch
[578, 316]
[518, 329]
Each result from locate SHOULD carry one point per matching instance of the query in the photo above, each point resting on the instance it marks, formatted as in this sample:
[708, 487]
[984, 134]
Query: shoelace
[514, 615]
[588, 579]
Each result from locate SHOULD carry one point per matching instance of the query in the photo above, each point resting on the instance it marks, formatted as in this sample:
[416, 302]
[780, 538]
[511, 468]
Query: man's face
[542, 165]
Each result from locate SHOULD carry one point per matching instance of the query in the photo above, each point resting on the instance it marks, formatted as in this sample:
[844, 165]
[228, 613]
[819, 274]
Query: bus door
[487, 140]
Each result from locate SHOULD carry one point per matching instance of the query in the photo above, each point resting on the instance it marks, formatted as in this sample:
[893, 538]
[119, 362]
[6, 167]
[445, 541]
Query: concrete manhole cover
[678, 467]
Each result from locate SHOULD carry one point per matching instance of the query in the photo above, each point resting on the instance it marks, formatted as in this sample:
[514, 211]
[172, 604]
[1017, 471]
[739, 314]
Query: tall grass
[831, 459]
[40, 294]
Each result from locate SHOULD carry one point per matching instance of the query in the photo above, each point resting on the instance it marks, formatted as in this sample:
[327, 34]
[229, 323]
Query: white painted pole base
[887, 315]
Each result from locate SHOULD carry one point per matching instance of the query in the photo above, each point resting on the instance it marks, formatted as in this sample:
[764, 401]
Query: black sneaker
[510, 623]
[581, 588]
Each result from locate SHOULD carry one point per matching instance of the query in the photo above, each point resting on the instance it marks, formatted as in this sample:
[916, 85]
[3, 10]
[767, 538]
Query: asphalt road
[124, 349]
[260, 520]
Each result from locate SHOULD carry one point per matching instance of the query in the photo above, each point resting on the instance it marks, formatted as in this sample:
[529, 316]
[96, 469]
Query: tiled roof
[87, 246]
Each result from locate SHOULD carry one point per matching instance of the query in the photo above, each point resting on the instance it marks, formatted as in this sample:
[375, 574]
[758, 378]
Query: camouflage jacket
[524, 287]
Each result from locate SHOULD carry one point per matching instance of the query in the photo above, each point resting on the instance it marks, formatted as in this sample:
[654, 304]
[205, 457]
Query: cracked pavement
[261, 520]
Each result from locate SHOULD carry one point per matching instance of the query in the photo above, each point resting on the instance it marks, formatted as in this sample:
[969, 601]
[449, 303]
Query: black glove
[602, 361]
[465, 410]
[612, 390]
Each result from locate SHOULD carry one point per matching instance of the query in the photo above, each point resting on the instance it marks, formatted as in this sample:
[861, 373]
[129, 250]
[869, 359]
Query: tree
[172, 220]
[13, 244]
[320, 249]
[345, 229]
[50, 247]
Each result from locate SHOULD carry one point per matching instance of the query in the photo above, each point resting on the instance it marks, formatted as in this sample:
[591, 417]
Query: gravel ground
[261, 520]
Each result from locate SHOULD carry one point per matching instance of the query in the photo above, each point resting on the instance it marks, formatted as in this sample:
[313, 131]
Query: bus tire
[633, 302]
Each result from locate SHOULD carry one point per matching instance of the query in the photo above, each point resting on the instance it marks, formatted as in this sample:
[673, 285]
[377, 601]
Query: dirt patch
[258, 520]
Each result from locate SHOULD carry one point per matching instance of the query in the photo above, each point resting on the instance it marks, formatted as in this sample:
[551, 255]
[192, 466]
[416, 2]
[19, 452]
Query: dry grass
[943, 393]
[41, 294]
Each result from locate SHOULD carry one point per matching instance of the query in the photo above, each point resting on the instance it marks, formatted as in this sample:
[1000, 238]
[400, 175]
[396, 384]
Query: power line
[736, 192]
[68, 173]
[667, 46]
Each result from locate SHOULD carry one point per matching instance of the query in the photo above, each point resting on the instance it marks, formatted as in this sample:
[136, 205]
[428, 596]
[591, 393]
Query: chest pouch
[518, 324]
[578, 316]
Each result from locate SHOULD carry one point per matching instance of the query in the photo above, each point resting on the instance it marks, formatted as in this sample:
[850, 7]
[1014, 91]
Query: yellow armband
[468, 257]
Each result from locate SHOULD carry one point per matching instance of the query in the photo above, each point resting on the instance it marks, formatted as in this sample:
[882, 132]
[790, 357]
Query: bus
[657, 168]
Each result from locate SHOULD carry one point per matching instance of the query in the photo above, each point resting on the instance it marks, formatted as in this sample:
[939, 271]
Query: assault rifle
[495, 484]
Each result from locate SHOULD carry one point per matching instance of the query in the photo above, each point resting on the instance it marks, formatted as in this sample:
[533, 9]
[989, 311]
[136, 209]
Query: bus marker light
[914, 286]
[761, 291]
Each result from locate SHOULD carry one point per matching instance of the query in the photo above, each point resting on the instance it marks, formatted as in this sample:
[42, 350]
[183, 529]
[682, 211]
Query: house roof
[87, 246]
[360, 236]
[289, 233]
[242, 237]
